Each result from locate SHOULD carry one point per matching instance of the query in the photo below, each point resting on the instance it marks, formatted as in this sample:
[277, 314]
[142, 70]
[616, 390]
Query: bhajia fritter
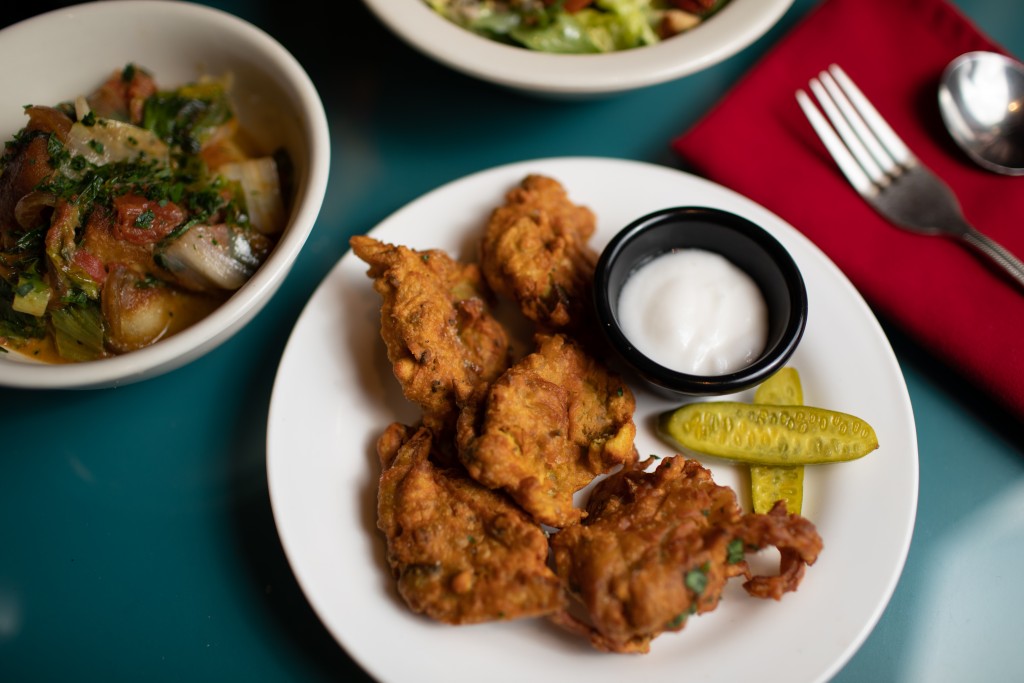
[547, 427]
[464, 535]
[444, 344]
[659, 546]
[535, 252]
[461, 553]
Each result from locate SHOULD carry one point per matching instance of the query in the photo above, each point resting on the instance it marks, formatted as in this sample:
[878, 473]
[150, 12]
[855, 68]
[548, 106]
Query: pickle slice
[781, 389]
[771, 483]
[769, 434]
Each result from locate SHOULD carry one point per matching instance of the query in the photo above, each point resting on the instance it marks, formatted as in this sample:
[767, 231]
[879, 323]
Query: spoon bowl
[981, 98]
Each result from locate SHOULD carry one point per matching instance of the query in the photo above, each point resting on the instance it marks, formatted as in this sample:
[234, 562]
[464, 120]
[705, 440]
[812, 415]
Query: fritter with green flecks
[461, 553]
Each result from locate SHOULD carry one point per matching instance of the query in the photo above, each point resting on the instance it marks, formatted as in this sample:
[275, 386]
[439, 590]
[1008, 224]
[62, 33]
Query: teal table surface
[137, 541]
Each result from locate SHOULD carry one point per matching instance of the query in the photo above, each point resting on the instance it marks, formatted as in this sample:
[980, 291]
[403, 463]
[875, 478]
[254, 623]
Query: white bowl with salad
[579, 48]
[164, 164]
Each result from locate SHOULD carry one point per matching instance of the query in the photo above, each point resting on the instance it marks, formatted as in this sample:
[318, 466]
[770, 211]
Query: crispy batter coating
[551, 423]
[798, 543]
[535, 252]
[660, 546]
[461, 553]
[442, 341]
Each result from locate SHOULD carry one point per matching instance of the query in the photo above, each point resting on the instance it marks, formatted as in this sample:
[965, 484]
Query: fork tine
[847, 164]
[877, 156]
[843, 124]
[886, 135]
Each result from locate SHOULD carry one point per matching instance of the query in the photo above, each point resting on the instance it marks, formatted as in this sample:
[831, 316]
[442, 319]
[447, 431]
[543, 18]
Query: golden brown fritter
[535, 252]
[660, 546]
[444, 345]
[461, 553]
[551, 423]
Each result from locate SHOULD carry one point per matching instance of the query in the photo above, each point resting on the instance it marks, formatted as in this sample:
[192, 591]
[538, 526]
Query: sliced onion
[211, 257]
[261, 185]
[29, 209]
[108, 140]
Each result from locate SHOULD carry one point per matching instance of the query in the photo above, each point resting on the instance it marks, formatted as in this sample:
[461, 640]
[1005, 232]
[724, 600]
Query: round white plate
[334, 393]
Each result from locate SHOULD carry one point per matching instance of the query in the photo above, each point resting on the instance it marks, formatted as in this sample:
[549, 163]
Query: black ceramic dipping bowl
[746, 245]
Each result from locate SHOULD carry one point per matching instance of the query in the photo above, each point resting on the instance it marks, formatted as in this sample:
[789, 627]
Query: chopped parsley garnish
[201, 195]
[145, 219]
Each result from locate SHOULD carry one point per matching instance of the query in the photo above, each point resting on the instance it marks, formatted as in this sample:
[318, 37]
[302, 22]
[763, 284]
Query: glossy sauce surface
[694, 311]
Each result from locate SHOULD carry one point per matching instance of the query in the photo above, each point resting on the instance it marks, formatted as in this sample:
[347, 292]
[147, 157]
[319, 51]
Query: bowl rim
[734, 27]
[19, 371]
[677, 382]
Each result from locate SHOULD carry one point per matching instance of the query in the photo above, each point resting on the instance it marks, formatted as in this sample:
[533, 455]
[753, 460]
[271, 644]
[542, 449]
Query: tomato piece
[143, 221]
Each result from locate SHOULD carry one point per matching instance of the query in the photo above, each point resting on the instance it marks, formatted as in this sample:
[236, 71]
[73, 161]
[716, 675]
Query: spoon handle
[995, 251]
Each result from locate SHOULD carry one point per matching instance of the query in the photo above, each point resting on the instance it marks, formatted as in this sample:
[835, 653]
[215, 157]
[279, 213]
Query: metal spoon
[981, 97]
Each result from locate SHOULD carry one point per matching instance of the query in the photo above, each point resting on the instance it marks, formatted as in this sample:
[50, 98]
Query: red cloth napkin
[758, 142]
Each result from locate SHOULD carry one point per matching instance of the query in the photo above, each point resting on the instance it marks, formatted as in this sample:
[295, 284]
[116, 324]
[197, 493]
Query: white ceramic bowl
[734, 27]
[177, 42]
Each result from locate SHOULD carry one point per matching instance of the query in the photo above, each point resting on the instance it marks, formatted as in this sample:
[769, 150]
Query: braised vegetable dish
[128, 214]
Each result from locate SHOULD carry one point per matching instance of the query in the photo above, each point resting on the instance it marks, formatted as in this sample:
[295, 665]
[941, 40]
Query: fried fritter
[659, 546]
[535, 252]
[461, 553]
[551, 423]
[444, 345]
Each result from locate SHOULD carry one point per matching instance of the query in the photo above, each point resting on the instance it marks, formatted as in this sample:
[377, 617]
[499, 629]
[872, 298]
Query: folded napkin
[758, 142]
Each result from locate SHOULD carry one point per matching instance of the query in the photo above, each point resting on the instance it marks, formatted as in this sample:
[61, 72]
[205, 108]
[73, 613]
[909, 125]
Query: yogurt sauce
[694, 311]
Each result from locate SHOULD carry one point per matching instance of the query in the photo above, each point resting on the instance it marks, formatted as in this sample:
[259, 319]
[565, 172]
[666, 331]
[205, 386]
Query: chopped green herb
[696, 580]
[145, 219]
[735, 551]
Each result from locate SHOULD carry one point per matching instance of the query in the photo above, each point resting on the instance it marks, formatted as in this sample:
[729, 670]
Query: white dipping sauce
[694, 311]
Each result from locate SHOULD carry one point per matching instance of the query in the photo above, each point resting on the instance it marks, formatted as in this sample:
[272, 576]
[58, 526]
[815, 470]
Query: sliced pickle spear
[769, 434]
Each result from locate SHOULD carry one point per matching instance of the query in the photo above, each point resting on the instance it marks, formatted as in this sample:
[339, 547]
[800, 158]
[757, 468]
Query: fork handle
[995, 251]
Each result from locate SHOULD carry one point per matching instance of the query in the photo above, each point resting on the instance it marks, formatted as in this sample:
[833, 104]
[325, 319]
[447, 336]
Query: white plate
[334, 393]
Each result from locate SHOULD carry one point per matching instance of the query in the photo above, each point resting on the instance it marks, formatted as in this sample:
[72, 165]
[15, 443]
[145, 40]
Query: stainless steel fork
[885, 172]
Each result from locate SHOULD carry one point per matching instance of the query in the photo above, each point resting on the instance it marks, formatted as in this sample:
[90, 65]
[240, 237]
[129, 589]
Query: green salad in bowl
[577, 26]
